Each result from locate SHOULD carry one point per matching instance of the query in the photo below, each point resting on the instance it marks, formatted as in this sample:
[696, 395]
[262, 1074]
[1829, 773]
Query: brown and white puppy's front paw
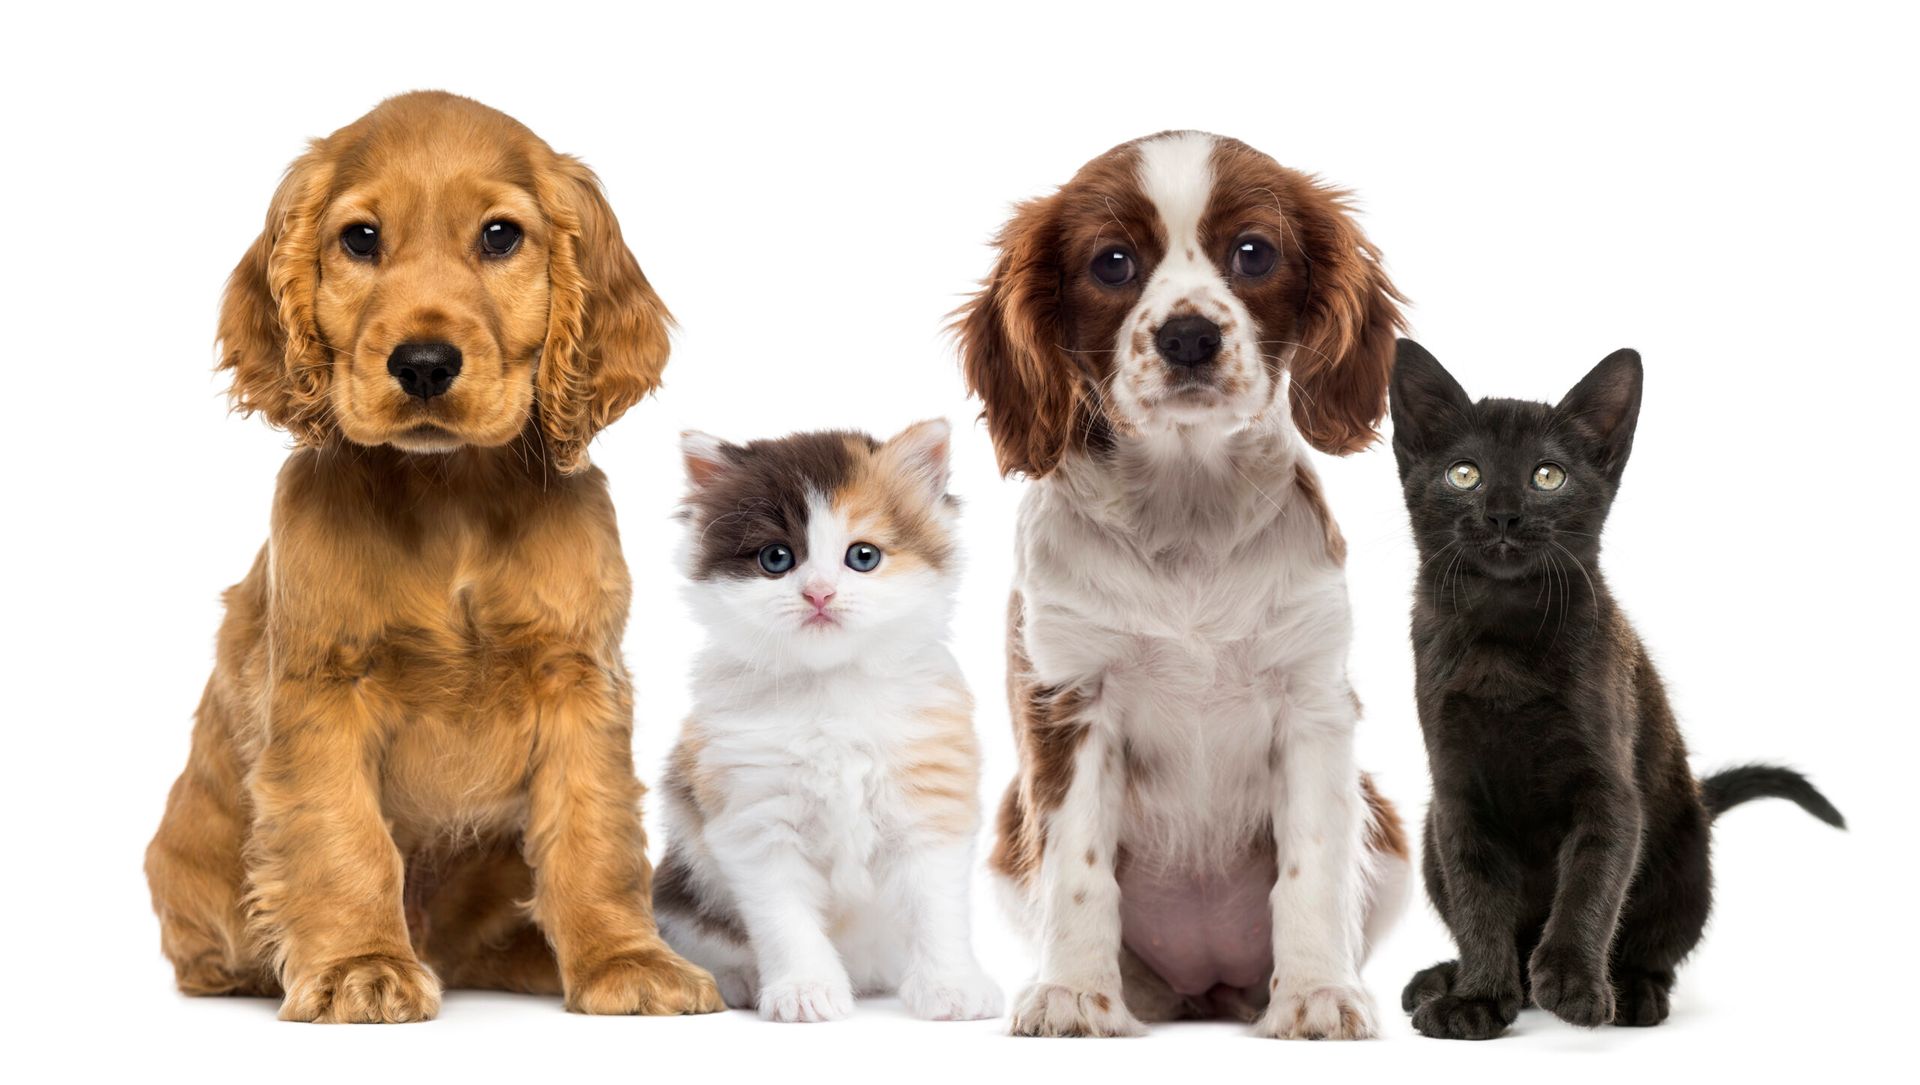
[374, 988]
[650, 982]
[971, 996]
[796, 1000]
[1325, 1012]
[1055, 1009]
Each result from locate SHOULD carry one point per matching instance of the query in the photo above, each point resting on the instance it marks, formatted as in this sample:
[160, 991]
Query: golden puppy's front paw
[1327, 1012]
[374, 988]
[1055, 1009]
[651, 982]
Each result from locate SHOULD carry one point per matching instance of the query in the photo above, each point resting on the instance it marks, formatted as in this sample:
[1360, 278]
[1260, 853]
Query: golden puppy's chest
[458, 703]
[459, 765]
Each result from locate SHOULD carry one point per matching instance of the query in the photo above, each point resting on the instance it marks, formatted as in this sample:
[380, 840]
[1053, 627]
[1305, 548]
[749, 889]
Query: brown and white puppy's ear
[921, 455]
[268, 336]
[1351, 319]
[607, 338]
[1011, 347]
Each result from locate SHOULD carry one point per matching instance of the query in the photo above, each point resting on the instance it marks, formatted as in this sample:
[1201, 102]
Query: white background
[1729, 191]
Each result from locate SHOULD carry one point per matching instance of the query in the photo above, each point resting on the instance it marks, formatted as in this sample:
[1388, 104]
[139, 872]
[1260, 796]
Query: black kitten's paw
[1428, 983]
[1642, 999]
[1451, 1017]
[1570, 988]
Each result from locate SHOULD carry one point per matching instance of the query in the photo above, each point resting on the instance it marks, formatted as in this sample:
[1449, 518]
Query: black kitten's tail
[1728, 788]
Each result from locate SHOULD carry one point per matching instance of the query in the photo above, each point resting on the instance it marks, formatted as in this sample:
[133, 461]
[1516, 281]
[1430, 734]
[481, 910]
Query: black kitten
[1566, 847]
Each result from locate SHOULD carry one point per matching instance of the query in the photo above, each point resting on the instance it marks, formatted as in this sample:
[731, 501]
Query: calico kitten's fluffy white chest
[832, 755]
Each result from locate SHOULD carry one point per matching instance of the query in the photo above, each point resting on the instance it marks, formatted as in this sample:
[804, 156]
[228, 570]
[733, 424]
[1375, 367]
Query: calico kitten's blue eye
[1464, 475]
[1549, 476]
[776, 558]
[863, 557]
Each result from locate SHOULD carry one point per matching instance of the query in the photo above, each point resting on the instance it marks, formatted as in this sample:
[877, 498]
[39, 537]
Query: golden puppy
[412, 765]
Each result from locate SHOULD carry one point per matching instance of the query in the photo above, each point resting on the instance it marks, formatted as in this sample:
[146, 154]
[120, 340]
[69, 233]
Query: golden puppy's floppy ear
[607, 337]
[1011, 347]
[268, 337]
[1347, 330]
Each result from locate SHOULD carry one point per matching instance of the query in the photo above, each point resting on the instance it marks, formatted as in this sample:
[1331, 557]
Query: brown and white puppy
[1188, 834]
[412, 765]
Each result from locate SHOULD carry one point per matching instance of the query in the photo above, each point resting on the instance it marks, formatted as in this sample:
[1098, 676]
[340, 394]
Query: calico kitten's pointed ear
[921, 453]
[1606, 405]
[1423, 396]
[707, 457]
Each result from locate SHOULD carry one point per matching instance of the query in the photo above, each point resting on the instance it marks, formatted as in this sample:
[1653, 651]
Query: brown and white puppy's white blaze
[1188, 834]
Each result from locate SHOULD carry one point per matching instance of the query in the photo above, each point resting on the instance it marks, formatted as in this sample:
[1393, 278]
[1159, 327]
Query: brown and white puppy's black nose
[424, 370]
[1188, 342]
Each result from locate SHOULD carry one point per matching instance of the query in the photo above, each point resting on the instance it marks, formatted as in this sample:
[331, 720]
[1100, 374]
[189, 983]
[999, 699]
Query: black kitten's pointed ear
[1423, 396]
[1606, 406]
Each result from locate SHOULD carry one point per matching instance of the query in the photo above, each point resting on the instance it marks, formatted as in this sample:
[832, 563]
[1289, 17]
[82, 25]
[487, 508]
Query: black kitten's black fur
[1566, 847]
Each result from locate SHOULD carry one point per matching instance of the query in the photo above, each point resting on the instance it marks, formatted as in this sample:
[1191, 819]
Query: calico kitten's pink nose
[818, 594]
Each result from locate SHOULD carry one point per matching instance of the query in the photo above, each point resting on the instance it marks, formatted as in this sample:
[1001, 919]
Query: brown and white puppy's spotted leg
[593, 886]
[1319, 897]
[1078, 989]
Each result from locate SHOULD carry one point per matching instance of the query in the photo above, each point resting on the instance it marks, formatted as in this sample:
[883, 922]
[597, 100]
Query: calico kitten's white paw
[1328, 1012]
[965, 997]
[1054, 1009]
[806, 1000]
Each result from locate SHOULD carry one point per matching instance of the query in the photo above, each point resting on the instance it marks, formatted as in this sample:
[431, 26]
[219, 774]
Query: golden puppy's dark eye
[499, 238]
[1113, 267]
[1253, 258]
[360, 240]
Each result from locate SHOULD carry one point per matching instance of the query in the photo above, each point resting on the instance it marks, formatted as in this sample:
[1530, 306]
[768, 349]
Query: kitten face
[813, 549]
[1506, 487]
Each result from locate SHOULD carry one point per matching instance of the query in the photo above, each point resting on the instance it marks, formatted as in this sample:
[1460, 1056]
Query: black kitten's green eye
[862, 557]
[1253, 258]
[775, 558]
[1464, 475]
[360, 240]
[499, 238]
[1113, 267]
[1549, 476]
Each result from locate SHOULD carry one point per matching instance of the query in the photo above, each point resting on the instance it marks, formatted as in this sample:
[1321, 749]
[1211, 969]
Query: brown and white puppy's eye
[1549, 476]
[1115, 266]
[499, 238]
[1254, 258]
[361, 240]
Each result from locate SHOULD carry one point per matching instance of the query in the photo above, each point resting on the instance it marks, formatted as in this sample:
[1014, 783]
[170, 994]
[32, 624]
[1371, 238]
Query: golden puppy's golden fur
[412, 765]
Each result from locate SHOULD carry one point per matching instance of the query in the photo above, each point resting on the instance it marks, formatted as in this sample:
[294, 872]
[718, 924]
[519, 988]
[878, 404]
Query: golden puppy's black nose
[425, 370]
[1188, 341]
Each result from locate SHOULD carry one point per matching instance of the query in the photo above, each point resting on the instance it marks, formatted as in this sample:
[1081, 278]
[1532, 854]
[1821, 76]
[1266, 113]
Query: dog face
[433, 276]
[1171, 284]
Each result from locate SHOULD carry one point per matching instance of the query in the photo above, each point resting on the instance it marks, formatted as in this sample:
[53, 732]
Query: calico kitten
[822, 801]
[1566, 847]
